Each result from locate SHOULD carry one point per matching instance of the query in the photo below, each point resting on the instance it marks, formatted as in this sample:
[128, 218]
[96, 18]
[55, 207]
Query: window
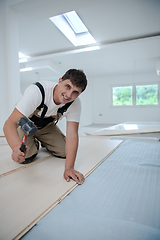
[73, 28]
[122, 96]
[135, 95]
[147, 95]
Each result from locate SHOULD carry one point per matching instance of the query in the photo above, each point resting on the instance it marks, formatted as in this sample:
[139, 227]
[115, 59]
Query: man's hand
[75, 175]
[17, 155]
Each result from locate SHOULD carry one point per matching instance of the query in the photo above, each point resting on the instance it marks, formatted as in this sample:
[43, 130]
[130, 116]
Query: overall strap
[42, 105]
[62, 110]
[45, 108]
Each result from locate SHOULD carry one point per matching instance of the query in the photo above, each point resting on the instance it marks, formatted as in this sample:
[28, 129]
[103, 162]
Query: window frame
[133, 85]
[121, 85]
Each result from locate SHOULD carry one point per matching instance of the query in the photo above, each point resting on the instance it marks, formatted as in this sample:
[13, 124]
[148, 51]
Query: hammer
[29, 130]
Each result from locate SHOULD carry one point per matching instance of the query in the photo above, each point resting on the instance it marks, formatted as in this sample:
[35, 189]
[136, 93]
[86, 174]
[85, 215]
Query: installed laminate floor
[27, 194]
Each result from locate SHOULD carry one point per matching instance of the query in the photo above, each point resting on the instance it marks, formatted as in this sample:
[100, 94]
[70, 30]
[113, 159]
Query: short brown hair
[77, 78]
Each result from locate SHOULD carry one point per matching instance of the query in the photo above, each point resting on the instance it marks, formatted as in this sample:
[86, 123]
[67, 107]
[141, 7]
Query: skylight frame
[80, 39]
[75, 22]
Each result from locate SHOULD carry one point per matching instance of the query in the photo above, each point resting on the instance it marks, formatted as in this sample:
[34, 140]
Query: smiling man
[45, 103]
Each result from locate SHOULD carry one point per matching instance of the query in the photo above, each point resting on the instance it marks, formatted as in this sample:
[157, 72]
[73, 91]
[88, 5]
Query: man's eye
[68, 87]
[75, 92]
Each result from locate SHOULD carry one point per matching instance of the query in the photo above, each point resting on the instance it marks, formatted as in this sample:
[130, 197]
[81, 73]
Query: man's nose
[69, 93]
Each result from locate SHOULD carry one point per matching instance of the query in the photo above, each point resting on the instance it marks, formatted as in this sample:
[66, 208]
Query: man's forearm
[11, 134]
[71, 151]
[10, 129]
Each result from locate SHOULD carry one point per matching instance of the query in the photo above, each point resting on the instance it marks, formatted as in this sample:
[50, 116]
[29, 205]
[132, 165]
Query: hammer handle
[23, 148]
[23, 145]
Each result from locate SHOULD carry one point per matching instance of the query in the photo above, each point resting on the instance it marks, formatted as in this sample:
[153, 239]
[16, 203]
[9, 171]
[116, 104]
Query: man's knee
[62, 156]
[33, 150]
[59, 153]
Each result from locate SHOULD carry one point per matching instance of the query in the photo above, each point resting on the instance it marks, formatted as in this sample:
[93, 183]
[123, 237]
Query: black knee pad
[30, 159]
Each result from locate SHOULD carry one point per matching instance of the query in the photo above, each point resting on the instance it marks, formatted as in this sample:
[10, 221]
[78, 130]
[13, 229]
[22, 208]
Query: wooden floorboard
[8, 166]
[28, 194]
[105, 132]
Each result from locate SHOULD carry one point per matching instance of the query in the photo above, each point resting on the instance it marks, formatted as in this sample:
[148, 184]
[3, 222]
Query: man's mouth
[66, 98]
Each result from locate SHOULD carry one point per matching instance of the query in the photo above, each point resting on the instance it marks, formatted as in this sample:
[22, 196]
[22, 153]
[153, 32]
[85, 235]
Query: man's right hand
[17, 155]
[12, 136]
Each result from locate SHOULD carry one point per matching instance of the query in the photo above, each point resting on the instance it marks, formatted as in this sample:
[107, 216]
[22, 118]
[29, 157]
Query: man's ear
[60, 80]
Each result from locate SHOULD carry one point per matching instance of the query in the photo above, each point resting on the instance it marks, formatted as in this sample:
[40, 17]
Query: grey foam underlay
[120, 200]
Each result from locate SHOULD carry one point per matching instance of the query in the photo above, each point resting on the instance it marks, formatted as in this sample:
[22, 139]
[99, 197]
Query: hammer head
[27, 126]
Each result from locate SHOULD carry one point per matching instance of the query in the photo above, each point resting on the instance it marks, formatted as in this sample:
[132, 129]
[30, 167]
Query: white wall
[87, 104]
[103, 113]
[9, 62]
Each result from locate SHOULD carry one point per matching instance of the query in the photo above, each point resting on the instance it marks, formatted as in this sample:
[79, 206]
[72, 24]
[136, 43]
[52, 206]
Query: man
[69, 87]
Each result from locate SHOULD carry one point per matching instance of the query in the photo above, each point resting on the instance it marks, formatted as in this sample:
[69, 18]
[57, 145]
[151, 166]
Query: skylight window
[73, 28]
[75, 22]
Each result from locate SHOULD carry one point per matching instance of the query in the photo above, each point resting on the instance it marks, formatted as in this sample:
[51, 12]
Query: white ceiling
[127, 31]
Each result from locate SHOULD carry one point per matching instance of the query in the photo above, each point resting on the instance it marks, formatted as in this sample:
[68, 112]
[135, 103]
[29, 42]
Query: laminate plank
[7, 165]
[106, 132]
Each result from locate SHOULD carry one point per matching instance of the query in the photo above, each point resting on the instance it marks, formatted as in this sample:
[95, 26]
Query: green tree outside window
[122, 96]
[147, 95]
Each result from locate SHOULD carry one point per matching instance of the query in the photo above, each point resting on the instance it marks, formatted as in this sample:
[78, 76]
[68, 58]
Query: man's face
[67, 92]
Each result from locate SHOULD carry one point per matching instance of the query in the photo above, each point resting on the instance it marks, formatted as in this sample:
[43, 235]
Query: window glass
[147, 95]
[122, 96]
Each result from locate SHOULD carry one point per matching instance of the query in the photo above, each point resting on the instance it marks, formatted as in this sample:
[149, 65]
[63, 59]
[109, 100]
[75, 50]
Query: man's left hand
[75, 175]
